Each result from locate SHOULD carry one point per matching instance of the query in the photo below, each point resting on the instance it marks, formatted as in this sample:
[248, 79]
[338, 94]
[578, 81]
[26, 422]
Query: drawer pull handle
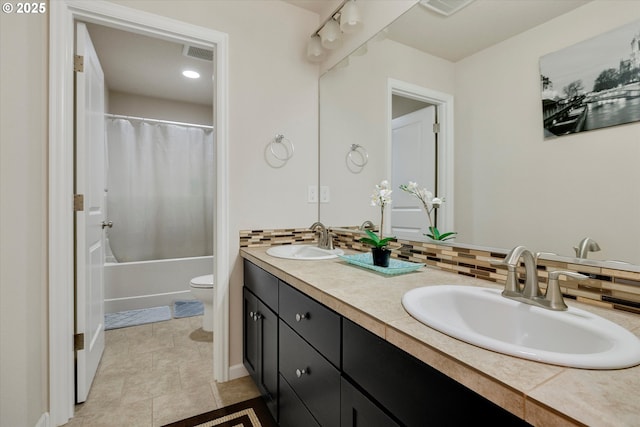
[301, 372]
[300, 317]
[255, 316]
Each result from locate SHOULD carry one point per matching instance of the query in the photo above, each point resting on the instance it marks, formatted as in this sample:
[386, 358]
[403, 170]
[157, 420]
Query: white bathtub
[144, 284]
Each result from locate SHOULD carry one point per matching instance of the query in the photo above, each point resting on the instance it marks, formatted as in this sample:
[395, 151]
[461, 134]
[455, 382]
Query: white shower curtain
[159, 190]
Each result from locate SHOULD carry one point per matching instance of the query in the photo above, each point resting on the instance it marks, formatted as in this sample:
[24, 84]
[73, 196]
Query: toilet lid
[205, 281]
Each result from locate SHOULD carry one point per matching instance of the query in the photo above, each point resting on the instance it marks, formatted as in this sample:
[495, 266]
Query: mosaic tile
[606, 287]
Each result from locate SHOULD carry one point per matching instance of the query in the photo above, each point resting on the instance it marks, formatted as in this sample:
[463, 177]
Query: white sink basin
[481, 316]
[303, 252]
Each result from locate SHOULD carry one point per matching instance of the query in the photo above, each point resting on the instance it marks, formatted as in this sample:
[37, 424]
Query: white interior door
[413, 158]
[90, 182]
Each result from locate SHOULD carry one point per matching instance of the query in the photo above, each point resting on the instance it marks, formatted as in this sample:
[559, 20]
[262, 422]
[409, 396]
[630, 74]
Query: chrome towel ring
[357, 158]
[286, 143]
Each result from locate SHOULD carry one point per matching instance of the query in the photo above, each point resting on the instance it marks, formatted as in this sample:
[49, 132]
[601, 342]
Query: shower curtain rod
[118, 116]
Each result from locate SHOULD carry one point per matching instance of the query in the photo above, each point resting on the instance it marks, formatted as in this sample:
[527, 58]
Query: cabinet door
[268, 357]
[411, 390]
[250, 333]
[356, 410]
[260, 348]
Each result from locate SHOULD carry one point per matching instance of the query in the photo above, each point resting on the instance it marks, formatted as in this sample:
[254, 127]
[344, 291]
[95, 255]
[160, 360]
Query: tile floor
[154, 374]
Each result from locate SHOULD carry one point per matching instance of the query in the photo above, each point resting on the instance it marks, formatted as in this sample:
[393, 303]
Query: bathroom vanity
[330, 344]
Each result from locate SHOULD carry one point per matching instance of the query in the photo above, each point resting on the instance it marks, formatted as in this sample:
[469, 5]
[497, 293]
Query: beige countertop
[541, 394]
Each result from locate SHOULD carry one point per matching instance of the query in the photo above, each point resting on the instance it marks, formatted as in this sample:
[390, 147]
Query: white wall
[156, 108]
[512, 186]
[23, 219]
[353, 111]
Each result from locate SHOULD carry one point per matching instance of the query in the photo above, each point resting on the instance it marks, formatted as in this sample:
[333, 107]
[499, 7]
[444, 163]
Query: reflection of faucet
[325, 241]
[586, 245]
[367, 225]
[531, 293]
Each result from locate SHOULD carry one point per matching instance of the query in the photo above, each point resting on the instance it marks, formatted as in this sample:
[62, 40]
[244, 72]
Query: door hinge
[436, 128]
[78, 63]
[78, 202]
[78, 342]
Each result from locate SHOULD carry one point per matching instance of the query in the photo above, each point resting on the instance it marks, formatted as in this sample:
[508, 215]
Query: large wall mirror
[508, 186]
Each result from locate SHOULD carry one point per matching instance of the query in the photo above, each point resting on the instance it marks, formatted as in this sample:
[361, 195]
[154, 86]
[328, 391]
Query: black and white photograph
[593, 84]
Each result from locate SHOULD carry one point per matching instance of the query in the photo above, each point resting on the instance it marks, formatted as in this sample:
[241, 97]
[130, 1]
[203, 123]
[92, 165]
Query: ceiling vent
[445, 7]
[198, 53]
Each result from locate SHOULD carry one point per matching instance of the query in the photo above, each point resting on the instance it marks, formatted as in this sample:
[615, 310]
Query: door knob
[107, 224]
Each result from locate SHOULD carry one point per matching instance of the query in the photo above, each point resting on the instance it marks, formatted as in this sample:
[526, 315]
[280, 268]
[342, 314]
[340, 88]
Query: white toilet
[202, 288]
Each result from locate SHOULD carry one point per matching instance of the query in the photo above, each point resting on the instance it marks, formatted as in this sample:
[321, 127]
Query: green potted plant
[429, 203]
[379, 250]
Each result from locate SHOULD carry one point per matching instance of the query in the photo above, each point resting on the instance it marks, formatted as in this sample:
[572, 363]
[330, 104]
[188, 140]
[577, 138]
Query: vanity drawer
[264, 285]
[311, 376]
[317, 324]
[293, 413]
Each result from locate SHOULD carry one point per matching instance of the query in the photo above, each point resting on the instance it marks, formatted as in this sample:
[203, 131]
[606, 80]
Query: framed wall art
[593, 84]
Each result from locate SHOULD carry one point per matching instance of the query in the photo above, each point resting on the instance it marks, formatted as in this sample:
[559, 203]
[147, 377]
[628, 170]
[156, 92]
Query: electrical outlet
[312, 194]
[325, 196]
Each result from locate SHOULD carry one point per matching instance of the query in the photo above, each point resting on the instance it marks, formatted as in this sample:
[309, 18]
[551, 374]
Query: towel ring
[286, 143]
[362, 154]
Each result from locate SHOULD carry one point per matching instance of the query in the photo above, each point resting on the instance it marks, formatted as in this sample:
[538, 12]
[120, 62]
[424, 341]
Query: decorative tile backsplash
[606, 287]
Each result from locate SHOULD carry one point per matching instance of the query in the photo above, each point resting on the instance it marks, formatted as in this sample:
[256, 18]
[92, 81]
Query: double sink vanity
[332, 344]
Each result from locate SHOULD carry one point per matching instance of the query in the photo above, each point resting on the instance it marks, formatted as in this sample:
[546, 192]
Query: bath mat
[123, 319]
[187, 308]
[250, 413]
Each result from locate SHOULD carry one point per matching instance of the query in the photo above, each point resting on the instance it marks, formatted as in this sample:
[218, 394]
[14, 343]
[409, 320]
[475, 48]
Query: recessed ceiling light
[191, 74]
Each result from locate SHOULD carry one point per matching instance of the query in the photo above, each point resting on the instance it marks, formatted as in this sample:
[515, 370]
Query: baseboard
[43, 421]
[237, 371]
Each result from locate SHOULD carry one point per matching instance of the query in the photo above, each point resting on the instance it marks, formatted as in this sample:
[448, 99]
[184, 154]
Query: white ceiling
[477, 26]
[481, 24]
[148, 66]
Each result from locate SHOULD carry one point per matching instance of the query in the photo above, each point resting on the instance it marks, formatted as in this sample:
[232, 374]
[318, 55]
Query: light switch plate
[325, 196]
[312, 194]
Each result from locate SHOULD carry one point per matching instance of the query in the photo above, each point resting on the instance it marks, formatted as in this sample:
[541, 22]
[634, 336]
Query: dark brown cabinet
[260, 334]
[316, 368]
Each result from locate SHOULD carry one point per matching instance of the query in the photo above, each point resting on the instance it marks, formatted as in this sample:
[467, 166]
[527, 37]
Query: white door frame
[444, 105]
[63, 14]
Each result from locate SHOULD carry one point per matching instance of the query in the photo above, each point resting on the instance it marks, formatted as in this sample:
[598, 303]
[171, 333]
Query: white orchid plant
[381, 196]
[430, 203]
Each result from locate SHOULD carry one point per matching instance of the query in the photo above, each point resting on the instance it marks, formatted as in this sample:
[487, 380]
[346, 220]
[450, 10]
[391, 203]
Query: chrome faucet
[531, 293]
[325, 240]
[367, 225]
[586, 245]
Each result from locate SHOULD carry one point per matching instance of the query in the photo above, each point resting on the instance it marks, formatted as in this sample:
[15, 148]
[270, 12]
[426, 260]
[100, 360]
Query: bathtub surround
[613, 288]
[144, 284]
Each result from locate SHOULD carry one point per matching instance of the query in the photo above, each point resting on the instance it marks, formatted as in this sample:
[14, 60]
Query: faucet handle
[511, 285]
[553, 297]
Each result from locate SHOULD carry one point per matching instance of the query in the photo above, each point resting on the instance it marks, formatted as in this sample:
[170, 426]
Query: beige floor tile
[182, 404]
[234, 391]
[150, 343]
[155, 374]
[174, 357]
[137, 414]
[150, 384]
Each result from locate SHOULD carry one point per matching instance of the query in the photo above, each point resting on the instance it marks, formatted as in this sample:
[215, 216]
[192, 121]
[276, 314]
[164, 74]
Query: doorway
[434, 167]
[63, 15]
